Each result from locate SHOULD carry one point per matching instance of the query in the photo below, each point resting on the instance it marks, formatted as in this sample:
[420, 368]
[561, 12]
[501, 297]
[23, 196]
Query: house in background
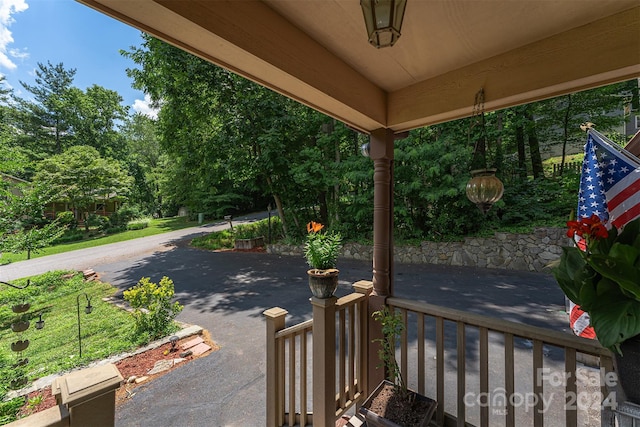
[103, 205]
[13, 183]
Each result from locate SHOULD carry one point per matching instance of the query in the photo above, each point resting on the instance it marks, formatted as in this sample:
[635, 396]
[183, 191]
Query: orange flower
[314, 227]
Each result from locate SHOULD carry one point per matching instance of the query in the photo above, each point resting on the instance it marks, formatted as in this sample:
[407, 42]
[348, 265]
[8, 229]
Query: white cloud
[144, 107]
[7, 9]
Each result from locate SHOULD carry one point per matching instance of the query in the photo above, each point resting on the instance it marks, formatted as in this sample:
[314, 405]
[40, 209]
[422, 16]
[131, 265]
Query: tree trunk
[278, 200]
[534, 148]
[565, 123]
[324, 210]
[522, 157]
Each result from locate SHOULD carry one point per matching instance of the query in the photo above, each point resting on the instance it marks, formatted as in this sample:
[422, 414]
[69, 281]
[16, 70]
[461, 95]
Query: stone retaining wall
[530, 252]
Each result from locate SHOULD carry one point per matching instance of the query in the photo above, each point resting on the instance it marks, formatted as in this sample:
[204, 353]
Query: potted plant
[392, 403]
[602, 275]
[321, 251]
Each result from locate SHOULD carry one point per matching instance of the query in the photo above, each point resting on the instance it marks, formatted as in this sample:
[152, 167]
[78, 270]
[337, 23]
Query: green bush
[9, 409]
[69, 236]
[67, 219]
[138, 224]
[98, 221]
[260, 229]
[123, 215]
[153, 310]
[113, 230]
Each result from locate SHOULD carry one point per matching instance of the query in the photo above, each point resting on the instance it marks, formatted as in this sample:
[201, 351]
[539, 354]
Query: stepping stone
[164, 365]
[191, 343]
[200, 349]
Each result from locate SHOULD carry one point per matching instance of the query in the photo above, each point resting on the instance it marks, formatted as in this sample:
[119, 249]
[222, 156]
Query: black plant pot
[629, 368]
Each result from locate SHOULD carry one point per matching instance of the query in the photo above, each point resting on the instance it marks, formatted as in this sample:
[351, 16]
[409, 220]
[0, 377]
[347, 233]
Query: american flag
[610, 189]
[609, 183]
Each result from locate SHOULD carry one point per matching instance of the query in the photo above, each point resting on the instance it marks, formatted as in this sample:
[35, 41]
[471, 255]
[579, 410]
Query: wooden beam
[252, 40]
[595, 54]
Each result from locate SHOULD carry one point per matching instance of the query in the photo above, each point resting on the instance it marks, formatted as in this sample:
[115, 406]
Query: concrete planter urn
[323, 283]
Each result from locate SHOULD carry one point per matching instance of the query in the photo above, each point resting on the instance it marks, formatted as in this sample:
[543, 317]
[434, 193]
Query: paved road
[227, 292]
[106, 254]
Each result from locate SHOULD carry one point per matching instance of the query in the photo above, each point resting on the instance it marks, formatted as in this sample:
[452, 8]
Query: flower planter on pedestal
[323, 283]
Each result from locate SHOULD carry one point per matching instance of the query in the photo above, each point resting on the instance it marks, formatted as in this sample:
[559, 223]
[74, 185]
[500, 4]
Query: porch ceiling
[316, 51]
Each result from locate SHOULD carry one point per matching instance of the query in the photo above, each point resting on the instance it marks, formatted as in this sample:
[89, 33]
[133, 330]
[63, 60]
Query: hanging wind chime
[484, 188]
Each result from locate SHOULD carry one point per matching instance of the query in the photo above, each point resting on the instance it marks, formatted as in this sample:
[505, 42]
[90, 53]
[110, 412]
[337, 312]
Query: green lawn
[107, 330]
[156, 226]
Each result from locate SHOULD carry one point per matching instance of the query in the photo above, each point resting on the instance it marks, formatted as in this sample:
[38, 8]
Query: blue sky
[65, 31]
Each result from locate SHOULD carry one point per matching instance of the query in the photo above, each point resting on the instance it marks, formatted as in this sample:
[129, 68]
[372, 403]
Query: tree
[146, 162]
[23, 226]
[46, 119]
[93, 118]
[81, 176]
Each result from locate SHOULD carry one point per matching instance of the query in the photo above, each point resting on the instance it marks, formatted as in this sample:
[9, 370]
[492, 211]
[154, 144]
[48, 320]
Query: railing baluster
[281, 380]
[571, 407]
[509, 378]
[421, 356]
[484, 376]
[403, 346]
[538, 389]
[461, 368]
[352, 350]
[440, 370]
[304, 336]
[606, 413]
[292, 380]
[342, 358]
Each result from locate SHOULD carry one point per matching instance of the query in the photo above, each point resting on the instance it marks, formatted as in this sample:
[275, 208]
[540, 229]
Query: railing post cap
[324, 302]
[363, 286]
[275, 312]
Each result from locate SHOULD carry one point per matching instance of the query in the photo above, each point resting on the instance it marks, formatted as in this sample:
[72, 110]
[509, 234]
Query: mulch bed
[137, 365]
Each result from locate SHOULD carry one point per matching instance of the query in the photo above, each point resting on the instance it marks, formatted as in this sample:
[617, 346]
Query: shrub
[123, 215]
[260, 229]
[153, 310]
[67, 219]
[69, 236]
[138, 224]
[113, 230]
[98, 221]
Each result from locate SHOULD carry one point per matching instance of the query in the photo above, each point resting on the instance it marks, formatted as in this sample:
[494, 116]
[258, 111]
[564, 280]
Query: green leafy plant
[321, 250]
[392, 327]
[138, 224]
[153, 310]
[602, 276]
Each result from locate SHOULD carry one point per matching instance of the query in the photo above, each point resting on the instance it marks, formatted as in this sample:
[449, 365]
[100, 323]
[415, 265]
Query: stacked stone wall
[530, 252]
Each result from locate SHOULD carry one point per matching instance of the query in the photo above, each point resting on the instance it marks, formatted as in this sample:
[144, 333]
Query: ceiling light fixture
[383, 19]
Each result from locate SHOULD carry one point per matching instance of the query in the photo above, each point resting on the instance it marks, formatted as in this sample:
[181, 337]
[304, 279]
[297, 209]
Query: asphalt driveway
[226, 293]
